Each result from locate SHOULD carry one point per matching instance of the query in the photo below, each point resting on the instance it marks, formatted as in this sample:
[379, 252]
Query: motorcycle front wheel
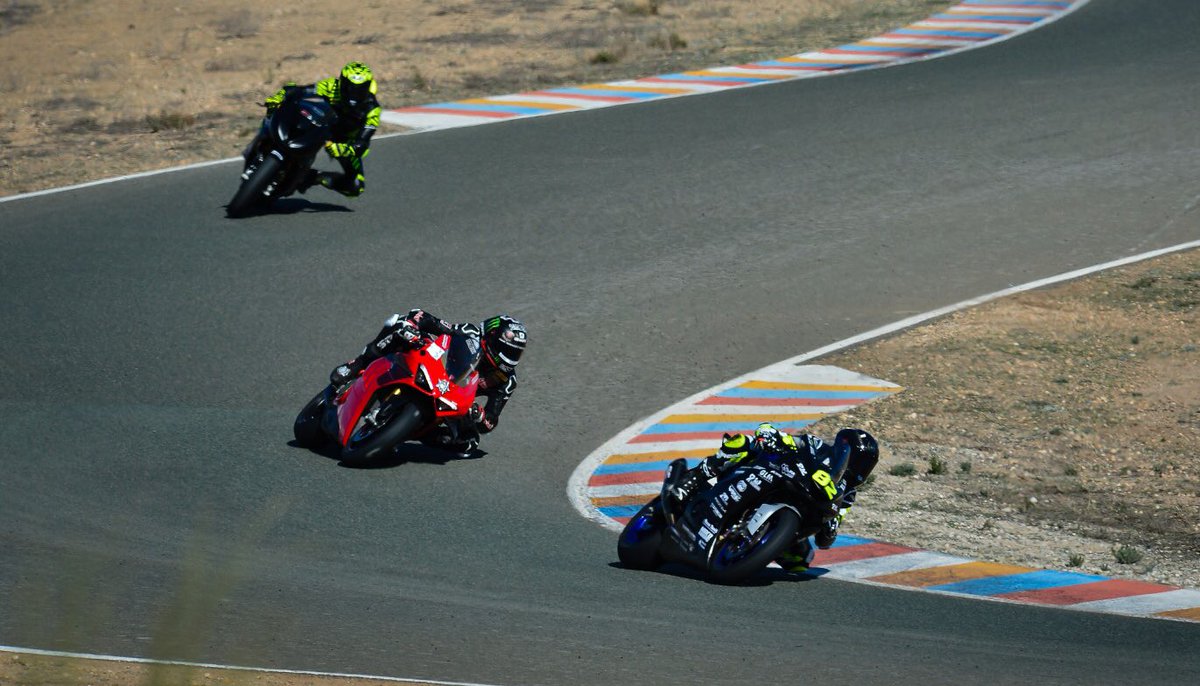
[367, 445]
[638, 545]
[307, 428]
[741, 554]
[250, 195]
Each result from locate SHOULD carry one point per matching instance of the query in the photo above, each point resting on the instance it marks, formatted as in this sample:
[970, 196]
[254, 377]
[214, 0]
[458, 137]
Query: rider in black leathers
[502, 341]
[853, 454]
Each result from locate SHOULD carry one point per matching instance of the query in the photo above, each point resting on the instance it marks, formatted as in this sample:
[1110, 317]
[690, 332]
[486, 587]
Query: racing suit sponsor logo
[733, 493]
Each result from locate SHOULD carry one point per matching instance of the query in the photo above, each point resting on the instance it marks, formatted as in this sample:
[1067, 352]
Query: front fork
[249, 153]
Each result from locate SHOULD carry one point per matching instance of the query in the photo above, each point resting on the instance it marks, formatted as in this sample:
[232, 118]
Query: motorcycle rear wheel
[638, 545]
[249, 197]
[403, 423]
[739, 556]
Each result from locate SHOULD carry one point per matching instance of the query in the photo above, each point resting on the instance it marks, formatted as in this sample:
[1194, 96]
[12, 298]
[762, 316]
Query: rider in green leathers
[352, 95]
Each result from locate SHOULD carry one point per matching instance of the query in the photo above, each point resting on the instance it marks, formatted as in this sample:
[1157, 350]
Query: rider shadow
[298, 205]
[765, 577]
[294, 206]
[406, 453]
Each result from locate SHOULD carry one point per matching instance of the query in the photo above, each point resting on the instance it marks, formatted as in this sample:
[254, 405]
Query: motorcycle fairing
[377, 375]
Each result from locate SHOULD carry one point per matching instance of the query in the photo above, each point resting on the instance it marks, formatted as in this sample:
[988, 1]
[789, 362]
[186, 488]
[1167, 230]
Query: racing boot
[796, 558]
[312, 177]
[828, 532]
[346, 373]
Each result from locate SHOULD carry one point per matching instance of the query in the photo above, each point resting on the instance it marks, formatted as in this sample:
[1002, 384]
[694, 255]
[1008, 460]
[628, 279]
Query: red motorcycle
[398, 397]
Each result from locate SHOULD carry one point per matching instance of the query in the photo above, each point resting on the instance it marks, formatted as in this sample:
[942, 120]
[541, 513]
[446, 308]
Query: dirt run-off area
[1058, 428]
[100, 88]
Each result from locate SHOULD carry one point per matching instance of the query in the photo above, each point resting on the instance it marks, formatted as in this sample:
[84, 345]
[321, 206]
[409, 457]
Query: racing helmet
[503, 342]
[859, 451]
[355, 83]
[768, 439]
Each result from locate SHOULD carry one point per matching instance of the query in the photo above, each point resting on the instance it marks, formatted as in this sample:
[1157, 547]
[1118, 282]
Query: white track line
[203, 665]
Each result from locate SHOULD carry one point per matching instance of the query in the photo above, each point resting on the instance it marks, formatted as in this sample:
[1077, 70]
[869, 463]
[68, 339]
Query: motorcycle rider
[352, 96]
[855, 448]
[502, 341]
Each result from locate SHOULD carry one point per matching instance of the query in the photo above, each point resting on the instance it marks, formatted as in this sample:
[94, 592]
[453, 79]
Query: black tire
[307, 428]
[737, 557]
[249, 197]
[638, 546]
[403, 423]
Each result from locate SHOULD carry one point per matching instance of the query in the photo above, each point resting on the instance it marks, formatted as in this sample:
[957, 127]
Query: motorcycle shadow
[294, 206]
[406, 453]
[298, 205]
[766, 577]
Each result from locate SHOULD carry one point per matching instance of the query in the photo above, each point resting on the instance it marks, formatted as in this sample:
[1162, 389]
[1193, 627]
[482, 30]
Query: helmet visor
[506, 353]
[354, 93]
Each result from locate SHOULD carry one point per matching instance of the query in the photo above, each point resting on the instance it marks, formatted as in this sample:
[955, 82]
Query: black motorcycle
[283, 152]
[736, 527]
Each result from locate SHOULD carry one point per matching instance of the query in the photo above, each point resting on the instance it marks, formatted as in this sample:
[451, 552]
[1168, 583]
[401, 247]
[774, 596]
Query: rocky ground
[1059, 428]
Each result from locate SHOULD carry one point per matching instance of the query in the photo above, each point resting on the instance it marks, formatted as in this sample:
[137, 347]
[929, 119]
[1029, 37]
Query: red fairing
[404, 372]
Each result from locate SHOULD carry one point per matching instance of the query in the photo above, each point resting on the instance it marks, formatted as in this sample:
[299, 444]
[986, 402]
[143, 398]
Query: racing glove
[338, 150]
[691, 483]
[408, 331]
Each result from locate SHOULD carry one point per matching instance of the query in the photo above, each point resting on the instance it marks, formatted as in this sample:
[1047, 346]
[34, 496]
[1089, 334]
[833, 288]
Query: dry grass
[210, 62]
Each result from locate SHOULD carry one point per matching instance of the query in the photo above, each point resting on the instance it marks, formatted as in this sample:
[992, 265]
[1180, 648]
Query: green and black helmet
[503, 342]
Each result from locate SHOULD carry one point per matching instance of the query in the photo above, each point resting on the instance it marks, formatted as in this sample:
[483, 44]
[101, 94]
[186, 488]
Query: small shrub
[240, 24]
[937, 465]
[903, 469]
[419, 82]
[964, 467]
[672, 41]
[1127, 555]
[1071, 470]
[170, 121]
[17, 13]
[639, 8]
[223, 64]
[604, 57]
[1076, 560]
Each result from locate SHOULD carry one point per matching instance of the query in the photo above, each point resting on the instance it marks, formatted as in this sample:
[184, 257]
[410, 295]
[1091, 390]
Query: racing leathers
[837, 475]
[401, 333]
[350, 140]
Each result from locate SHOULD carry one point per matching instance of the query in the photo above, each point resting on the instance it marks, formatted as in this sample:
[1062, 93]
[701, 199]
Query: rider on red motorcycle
[502, 341]
[856, 447]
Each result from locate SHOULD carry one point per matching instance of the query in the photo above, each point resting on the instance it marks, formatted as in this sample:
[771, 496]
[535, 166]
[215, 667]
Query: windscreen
[462, 357]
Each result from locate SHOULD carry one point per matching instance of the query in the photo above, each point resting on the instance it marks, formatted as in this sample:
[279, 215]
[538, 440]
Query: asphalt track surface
[154, 355]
